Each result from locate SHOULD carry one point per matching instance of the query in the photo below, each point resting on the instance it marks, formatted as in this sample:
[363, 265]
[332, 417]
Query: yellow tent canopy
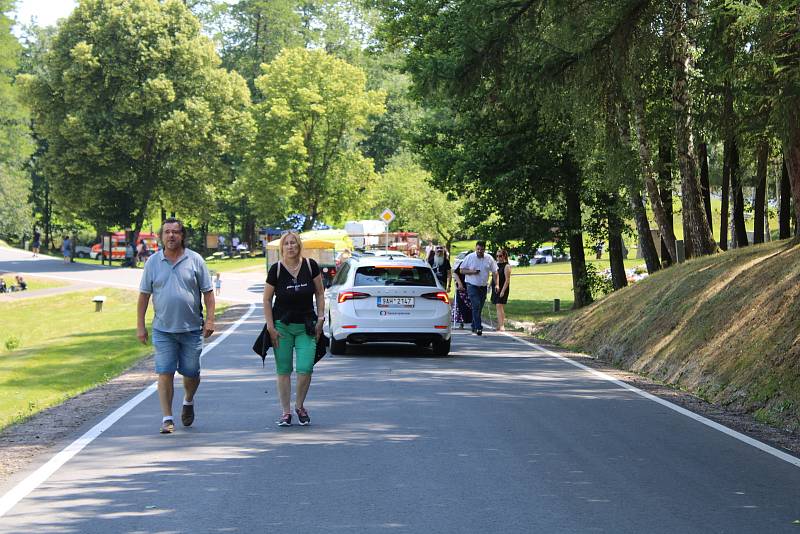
[322, 245]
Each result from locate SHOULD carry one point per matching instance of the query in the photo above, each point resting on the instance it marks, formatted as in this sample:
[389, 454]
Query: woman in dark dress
[499, 299]
[462, 311]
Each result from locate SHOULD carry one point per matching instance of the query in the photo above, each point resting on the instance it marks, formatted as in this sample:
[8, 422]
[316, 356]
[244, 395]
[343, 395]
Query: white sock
[166, 418]
[188, 403]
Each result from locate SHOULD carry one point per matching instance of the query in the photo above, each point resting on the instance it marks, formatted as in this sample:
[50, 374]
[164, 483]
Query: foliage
[405, 188]
[15, 142]
[134, 107]
[305, 159]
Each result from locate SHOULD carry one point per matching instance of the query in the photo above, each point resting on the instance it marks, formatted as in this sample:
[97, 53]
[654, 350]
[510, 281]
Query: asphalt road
[500, 437]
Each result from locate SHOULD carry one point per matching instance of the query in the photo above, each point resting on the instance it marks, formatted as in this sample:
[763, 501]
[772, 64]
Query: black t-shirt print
[294, 297]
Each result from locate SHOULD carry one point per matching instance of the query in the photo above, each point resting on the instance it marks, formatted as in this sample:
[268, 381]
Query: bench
[98, 302]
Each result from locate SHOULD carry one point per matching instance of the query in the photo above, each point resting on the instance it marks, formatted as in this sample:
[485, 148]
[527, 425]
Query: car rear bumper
[392, 337]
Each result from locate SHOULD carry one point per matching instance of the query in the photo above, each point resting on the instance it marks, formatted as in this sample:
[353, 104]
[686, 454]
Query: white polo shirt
[485, 265]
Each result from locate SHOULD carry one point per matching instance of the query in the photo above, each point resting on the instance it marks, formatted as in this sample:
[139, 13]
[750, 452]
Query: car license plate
[395, 302]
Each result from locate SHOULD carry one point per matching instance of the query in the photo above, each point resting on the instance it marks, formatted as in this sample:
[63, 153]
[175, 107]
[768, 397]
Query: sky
[46, 12]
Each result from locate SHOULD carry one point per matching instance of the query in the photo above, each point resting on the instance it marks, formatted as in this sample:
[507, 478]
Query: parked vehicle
[119, 243]
[388, 299]
[549, 255]
[82, 251]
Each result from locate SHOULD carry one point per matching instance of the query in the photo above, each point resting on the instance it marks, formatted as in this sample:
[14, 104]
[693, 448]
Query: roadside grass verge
[56, 347]
[723, 327]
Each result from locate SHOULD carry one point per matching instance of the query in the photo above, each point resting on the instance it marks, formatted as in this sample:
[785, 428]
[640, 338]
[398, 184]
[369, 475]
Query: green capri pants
[294, 338]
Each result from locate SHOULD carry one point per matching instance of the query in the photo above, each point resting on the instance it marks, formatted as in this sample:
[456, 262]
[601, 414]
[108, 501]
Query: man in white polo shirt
[176, 277]
[476, 268]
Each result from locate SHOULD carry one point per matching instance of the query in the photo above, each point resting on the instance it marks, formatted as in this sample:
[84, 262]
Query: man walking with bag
[476, 268]
[176, 277]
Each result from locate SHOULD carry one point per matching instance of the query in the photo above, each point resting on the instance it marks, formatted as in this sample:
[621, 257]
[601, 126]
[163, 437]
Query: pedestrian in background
[217, 284]
[476, 268]
[37, 242]
[500, 297]
[296, 283]
[130, 255]
[66, 249]
[437, 259]
[176, 277]
[462, 310]
[141, 251]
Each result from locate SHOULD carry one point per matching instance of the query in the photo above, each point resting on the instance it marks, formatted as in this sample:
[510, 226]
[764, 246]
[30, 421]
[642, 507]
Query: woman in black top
[295, 282]
[499, 299]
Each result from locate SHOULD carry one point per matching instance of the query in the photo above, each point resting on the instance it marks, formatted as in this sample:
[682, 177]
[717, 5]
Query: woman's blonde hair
[284, 237]
[502, 252]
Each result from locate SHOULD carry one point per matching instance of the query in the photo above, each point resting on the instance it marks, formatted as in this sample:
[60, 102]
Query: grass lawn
[53, 349]
[34, 282]
[233, 265]
[534, 288]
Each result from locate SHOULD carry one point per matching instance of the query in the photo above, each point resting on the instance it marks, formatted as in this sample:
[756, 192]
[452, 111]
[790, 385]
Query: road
[501, 437]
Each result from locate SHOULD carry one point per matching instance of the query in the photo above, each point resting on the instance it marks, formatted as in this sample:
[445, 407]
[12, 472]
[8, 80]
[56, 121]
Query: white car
[83, 251]
[387, 299]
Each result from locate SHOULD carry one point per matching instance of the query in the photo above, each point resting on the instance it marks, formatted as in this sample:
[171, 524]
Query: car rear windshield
[391, 275]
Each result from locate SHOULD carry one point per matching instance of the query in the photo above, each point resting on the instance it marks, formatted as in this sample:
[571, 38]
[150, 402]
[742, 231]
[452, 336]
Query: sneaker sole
[304, 424]
[284, 424]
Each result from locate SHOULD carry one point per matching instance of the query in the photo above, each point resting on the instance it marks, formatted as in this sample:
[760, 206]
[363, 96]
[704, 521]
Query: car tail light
[439, 295]
[351, 295]
[329, 271]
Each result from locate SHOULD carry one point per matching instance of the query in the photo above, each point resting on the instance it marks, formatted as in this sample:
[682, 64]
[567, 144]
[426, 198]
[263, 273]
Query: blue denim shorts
[178, 352]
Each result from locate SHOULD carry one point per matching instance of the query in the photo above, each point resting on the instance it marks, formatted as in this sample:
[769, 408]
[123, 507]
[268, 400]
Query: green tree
[135, 107]
[305, 159]
[405, 187]
[15, 141]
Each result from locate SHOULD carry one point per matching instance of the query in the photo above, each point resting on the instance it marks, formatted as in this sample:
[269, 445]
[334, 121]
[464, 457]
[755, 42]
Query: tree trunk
[665, 187]
[615, 246]
[784, 215]
[726, 182]
[791, 153]
[697, 234]
[659, 214]
[646, 244]
[580, 288]
[249, 234]
[738, 199]
[762, 154]
[204, 235]
[48, 217]
[702, 151]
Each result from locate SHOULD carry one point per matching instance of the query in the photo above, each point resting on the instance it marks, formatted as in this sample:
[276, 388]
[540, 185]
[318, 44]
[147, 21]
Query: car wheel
[441, 348]
[82, 254]
[338, 347]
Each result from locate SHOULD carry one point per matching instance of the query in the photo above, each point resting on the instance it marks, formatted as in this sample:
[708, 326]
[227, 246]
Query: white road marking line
[32, 481]
[683, 411]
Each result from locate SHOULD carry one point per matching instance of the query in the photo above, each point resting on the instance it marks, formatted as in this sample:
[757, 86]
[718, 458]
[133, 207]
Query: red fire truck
[119, 243]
